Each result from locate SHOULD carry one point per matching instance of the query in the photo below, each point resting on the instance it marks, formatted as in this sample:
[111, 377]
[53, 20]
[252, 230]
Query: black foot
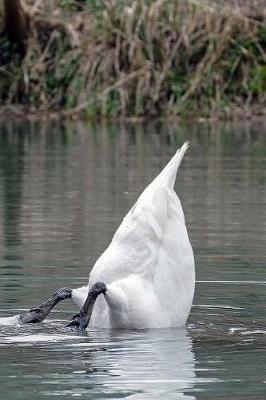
[63, 293]
[33, 316]
[38, 314]
[79, 322]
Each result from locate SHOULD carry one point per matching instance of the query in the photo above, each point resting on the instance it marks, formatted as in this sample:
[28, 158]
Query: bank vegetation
[135, 58]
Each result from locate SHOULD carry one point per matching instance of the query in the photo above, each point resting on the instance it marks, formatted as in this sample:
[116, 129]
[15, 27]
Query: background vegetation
[133, 58]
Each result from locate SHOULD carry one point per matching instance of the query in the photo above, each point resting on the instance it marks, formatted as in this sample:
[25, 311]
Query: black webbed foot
[33, 316]
[79, 322]
[63, 293]
[39, 313]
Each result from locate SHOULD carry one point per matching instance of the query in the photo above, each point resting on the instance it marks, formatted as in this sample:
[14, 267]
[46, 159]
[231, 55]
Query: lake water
[64, 188]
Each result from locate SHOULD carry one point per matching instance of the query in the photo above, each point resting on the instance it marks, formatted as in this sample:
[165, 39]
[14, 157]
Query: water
[64, 189]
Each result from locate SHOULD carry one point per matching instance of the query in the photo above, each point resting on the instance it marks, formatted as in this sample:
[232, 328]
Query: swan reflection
[104, 364]
[148, 364]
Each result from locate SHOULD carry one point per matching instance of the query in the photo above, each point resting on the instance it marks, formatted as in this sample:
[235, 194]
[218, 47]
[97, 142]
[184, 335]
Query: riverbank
[137, 60]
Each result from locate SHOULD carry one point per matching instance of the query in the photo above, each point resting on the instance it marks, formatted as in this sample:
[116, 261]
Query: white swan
[148, 268]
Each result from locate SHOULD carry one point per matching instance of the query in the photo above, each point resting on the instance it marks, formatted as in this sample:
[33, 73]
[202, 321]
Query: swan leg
[39, 313]
[81, 320]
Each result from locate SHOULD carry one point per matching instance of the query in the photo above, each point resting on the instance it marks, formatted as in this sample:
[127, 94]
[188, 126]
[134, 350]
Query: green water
[64, 189]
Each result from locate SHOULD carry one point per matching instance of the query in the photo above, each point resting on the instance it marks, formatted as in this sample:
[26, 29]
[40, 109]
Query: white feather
[149, 266]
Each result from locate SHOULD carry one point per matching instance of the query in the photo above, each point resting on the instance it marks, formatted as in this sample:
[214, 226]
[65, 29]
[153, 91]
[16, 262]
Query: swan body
[148, 267]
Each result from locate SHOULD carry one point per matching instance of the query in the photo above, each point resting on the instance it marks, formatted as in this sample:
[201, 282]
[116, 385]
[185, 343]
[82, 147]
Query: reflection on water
[141, 364]
[64, 189]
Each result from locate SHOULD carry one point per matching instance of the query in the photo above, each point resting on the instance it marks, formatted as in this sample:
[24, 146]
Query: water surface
[64, 189]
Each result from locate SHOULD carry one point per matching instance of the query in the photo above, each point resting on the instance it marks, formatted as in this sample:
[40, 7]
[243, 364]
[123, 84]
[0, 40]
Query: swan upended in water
[148, 268]
[147, 273]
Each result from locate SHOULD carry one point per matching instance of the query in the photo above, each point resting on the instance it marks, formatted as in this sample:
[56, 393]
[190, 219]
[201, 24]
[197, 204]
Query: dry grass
[137, 58]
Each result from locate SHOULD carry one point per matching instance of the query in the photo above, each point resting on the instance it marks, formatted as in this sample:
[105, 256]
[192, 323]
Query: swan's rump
[149, 265]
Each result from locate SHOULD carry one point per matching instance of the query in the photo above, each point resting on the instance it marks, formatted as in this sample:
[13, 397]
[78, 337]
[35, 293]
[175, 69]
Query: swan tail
[168, 174]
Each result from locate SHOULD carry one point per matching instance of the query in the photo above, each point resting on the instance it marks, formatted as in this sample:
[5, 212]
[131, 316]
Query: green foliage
[176, 81]
[257, 81]
[92, 109]
[137, 58]
[113, 103]
[95, 6]
[9, 51]
[70, 5]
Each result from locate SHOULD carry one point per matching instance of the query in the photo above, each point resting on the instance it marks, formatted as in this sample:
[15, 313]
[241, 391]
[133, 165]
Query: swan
[148, 269]
[146, 276]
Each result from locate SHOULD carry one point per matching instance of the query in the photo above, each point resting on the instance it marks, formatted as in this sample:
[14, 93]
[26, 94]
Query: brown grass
[142, 58]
